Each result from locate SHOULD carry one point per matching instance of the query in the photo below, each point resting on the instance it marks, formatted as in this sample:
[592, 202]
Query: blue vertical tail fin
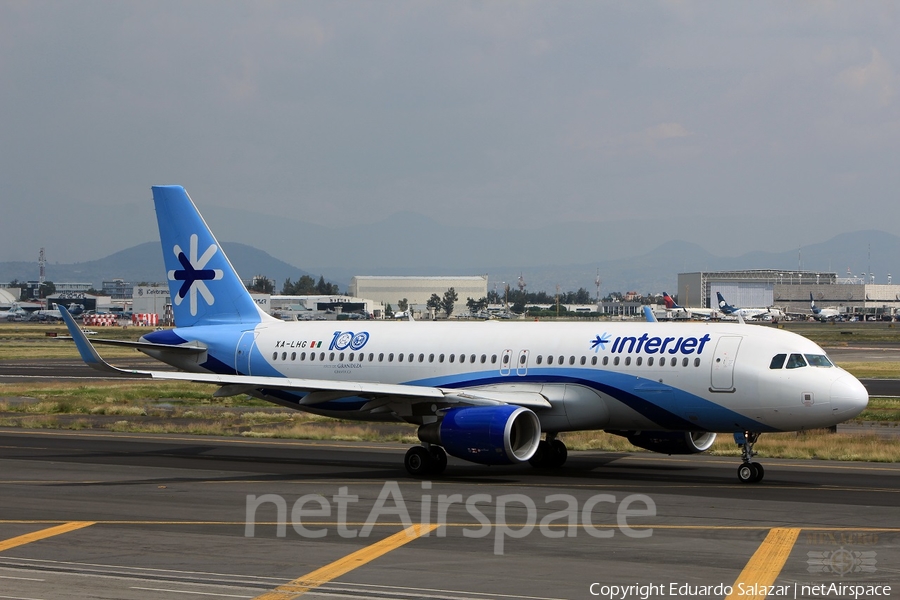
[724, 306]
[204, 287]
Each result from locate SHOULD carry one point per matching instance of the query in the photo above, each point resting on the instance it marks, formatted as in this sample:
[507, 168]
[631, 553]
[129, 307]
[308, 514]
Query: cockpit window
[796, 361]
[818, 360]
[777, 361]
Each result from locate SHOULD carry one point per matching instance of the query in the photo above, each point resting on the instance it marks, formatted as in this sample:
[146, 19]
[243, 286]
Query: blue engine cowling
[488, 435]
[670, 442]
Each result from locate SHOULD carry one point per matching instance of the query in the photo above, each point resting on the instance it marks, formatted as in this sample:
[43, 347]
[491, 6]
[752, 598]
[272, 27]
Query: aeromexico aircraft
[488, 391]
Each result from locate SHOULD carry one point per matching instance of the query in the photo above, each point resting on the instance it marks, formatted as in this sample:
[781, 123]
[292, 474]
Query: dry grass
[818, 444]
[174, 407]
[873, 370]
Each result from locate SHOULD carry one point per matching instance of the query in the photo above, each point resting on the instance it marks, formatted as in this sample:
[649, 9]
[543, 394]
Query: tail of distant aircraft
[670, 303]
[204, 287]
[724, 306]
[812, 305]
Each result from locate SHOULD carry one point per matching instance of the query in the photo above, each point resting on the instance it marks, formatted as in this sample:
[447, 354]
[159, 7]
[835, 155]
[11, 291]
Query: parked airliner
[823, 314]
[748, 313]
[671, 305]
[487, 391]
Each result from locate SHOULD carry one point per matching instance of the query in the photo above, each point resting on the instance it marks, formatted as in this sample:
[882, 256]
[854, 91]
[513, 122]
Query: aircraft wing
[318, 390]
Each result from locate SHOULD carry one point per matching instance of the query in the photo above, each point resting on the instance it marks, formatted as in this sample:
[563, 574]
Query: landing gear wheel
[439, 460]
[558, 454]
[746, 473]
[539, 458]
[759, 472]
[418, 461]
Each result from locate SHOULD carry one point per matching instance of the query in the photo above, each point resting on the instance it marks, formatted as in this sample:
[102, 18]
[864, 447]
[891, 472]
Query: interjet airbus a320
[487, 392]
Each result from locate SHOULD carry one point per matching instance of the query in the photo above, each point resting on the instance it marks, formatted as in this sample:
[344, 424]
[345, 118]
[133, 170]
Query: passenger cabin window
[796, 361]
[593, 360]
[549, 359]
[777, 361]
[539, 359]
[650, 361]
[818, 360]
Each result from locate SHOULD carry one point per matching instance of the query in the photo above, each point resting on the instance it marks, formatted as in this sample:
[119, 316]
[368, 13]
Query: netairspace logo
[490, 514]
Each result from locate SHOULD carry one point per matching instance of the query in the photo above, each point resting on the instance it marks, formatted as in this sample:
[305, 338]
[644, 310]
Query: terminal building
[789, 291]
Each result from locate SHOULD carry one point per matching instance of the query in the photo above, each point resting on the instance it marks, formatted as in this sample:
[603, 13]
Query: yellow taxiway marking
[765, 564]
[42, 534]
[312, 580]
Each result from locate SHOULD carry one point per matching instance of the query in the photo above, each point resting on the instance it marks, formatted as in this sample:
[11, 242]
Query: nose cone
[848, 397]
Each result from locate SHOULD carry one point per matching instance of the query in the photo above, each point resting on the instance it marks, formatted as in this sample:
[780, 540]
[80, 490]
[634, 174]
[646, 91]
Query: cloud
[646, 141]
[875, 77]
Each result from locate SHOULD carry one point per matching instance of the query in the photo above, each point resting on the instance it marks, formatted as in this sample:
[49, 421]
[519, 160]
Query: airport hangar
[789, 290]
[416, 290]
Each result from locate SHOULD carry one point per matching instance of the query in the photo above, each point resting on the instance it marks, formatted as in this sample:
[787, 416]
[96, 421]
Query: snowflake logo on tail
[194, 274]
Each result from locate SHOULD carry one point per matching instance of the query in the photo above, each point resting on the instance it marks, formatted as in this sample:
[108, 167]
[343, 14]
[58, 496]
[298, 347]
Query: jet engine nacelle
[671, 442]
[489, 435]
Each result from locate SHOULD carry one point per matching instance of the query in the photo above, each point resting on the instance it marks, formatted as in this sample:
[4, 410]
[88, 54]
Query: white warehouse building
[416, 290]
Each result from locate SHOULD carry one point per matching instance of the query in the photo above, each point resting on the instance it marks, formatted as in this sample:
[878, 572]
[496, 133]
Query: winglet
[88, 354]
[648, 314]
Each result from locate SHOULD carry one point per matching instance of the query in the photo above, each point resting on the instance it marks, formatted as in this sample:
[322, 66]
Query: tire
[558, 454]
[758, 472]
[439, 460]
[746, 473]
[418, 461]
[539, 459]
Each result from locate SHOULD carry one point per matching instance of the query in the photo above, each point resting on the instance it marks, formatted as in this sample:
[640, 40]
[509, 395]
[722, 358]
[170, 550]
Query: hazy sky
[497, 114]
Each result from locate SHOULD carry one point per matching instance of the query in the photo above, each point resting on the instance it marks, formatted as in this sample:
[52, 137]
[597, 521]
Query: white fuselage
[598, 375]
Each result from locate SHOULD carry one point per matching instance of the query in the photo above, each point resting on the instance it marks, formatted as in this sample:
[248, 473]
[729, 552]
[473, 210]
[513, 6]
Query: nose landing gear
[749, 471]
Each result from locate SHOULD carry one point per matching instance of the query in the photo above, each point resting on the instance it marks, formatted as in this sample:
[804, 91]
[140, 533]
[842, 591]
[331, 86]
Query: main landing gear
[748, 472]
[425, 460]
[551, 453]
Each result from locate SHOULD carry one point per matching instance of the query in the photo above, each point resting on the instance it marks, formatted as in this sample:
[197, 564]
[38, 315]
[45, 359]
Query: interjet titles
[659, 345]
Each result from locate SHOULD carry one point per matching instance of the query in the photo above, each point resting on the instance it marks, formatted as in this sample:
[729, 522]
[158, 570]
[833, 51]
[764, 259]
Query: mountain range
[654, 271]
